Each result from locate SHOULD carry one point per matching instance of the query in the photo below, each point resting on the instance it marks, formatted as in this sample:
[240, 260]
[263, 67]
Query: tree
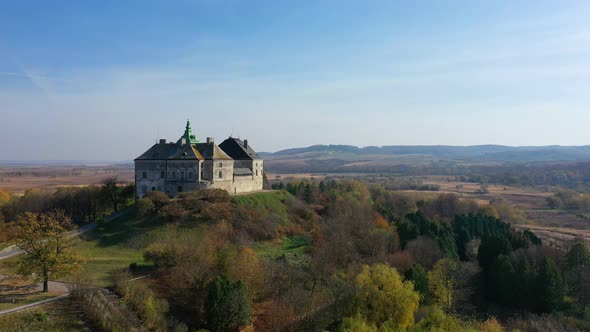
[382, 296]
[246, 266]
[4, 197]
[490, 248]
[111, 190]
[441, 283]
[577, 273]
[420, 278]
[357, 323]
[549, 286]
[577, 255]
[44, 239]
[307, 194]
[228, 305]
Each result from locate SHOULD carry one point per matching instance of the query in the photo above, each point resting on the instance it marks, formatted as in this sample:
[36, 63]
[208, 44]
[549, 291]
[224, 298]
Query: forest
[315, 255]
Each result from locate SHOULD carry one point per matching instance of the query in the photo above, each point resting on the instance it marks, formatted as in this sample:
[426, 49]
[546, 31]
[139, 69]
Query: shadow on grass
[116, 231]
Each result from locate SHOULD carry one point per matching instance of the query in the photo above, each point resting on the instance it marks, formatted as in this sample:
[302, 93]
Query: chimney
[162, 141]
[183, 141]
[246, 143]
[209, 140]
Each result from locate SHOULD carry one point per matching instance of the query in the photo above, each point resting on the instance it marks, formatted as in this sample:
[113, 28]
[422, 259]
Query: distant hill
[342, 158]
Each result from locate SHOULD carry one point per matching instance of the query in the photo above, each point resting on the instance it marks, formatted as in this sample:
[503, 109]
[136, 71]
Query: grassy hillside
[267, 202]
[122, 241]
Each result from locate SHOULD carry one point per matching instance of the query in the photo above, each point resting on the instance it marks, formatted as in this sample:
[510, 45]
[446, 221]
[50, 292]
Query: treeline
[82, 204]
[569, 200]
[574, 175]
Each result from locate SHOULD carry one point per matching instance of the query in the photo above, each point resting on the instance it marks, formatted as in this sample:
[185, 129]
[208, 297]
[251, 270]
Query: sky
[102, 80]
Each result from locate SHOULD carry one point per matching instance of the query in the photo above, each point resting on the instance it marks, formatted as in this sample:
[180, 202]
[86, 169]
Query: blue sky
[102, 81]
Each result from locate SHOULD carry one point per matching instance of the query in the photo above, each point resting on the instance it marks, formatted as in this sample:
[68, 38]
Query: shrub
[171, 212]
[158, 198]
[214, 196]
[144, 301]
[143, 207]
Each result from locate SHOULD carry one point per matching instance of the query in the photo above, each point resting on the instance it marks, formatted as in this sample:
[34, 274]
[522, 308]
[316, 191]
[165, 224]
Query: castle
[189, 165]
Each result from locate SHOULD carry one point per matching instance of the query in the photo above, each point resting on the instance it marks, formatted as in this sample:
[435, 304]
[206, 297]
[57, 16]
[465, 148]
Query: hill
[409, 159]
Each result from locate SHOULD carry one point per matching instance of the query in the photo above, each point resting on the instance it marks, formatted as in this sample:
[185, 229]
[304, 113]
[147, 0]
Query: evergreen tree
[490, 248]
[308, 194]
[550, 288]
[322, 186]
[418, 275]
[228, 305]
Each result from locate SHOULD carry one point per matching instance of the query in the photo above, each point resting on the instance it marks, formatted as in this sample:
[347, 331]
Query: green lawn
[113, 244]
[120, 242]
[290, 246]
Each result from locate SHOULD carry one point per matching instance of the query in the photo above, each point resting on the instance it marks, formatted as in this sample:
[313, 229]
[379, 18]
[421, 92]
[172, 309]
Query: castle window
[220, 174]
[220, 164]
[153, 188]
[201, 174]
[162, 174]
[143, 189]
[179, 189]
[182, 174]
[256, 172]
[190, 175]
[144, 175]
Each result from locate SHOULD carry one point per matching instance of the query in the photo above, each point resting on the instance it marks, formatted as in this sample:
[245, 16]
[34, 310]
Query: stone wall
[148, 176]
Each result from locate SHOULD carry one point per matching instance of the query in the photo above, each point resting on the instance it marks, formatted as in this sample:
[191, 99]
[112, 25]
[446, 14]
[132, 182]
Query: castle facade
[189, 165]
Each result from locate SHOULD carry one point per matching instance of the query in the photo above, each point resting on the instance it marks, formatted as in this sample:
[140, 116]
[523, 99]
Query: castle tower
[188, 135]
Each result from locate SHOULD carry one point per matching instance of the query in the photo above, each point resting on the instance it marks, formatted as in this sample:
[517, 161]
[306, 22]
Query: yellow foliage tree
[441, 283]
[246, 267]
[4, 197]
[44, 239]
[382, 296]
[357, 323]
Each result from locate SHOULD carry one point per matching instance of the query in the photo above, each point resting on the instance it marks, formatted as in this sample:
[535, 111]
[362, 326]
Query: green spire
[188, 134]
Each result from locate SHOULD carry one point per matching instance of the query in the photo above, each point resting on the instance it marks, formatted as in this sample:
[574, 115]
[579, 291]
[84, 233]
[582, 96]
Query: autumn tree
[247, 267]
[383, 297]
[44, 239]
[442, 282]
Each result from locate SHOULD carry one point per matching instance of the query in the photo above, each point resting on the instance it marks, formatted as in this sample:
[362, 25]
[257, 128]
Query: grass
[270, 202]
[60, 316]
[122, 241]
[28, 299]
[111, 246]
[290, 246]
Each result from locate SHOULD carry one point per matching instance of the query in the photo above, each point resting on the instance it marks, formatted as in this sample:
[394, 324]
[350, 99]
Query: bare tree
[111, 190]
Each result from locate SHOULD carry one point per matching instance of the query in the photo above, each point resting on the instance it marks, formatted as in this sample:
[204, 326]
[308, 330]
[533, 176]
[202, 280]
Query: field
[19, 178]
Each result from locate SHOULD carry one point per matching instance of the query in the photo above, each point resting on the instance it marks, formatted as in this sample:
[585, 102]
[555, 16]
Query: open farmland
[19, 178]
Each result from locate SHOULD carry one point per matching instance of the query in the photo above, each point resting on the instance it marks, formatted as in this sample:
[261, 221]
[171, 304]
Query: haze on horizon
[82, 81]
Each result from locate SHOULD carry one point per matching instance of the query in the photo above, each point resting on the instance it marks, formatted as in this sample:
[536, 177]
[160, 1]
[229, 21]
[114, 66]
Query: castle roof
[211, 151]
[199, 151]
[238, 149]
[188, 147]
